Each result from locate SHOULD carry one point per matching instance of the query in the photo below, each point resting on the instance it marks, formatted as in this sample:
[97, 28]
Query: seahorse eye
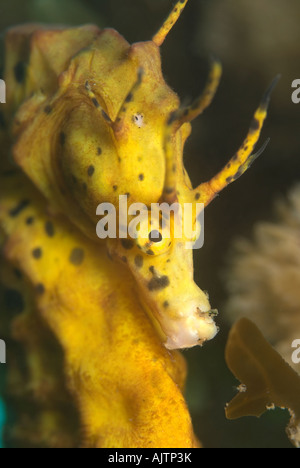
[155, 236]
[152, 240]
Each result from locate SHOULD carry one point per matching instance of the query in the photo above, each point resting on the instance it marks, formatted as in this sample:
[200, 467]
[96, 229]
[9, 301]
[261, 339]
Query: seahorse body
[86, 367]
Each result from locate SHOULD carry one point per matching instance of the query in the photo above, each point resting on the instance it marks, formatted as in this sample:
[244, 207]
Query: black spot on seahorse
[77, 256]
[37, 253]
[96, 103]
[238, 174]
[49, 228]
[127, 244]
[106, 116]
[91, 171]
[48, 110]
[255, 125]
[169, 190]
[139, 261]
[40, 289]
[30, 220]
[19, 208]
[158, 283]
[129, 98]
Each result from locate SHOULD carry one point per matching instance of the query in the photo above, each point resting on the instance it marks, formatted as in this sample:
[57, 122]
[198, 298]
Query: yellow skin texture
[127, 385]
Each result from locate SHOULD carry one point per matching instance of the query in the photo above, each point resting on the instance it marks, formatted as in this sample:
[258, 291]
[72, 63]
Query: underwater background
[255, 41]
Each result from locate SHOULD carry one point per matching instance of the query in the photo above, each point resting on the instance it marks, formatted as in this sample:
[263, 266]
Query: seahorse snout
[192, 326]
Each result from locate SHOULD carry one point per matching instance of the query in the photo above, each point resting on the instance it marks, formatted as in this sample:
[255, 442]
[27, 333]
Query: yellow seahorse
[89, 118]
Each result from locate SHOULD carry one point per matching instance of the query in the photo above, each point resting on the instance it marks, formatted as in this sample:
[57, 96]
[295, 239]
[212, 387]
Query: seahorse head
[159, 254]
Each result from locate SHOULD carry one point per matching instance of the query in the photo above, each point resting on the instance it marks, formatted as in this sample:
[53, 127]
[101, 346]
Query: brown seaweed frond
[268, 381]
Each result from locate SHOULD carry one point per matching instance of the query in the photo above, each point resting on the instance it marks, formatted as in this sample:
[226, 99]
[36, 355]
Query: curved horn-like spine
[243, 158]
[184, 115]
[189, 113]
[160, 36]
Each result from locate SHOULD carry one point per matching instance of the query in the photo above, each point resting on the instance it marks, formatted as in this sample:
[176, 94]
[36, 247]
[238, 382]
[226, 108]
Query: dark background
[255, 40]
